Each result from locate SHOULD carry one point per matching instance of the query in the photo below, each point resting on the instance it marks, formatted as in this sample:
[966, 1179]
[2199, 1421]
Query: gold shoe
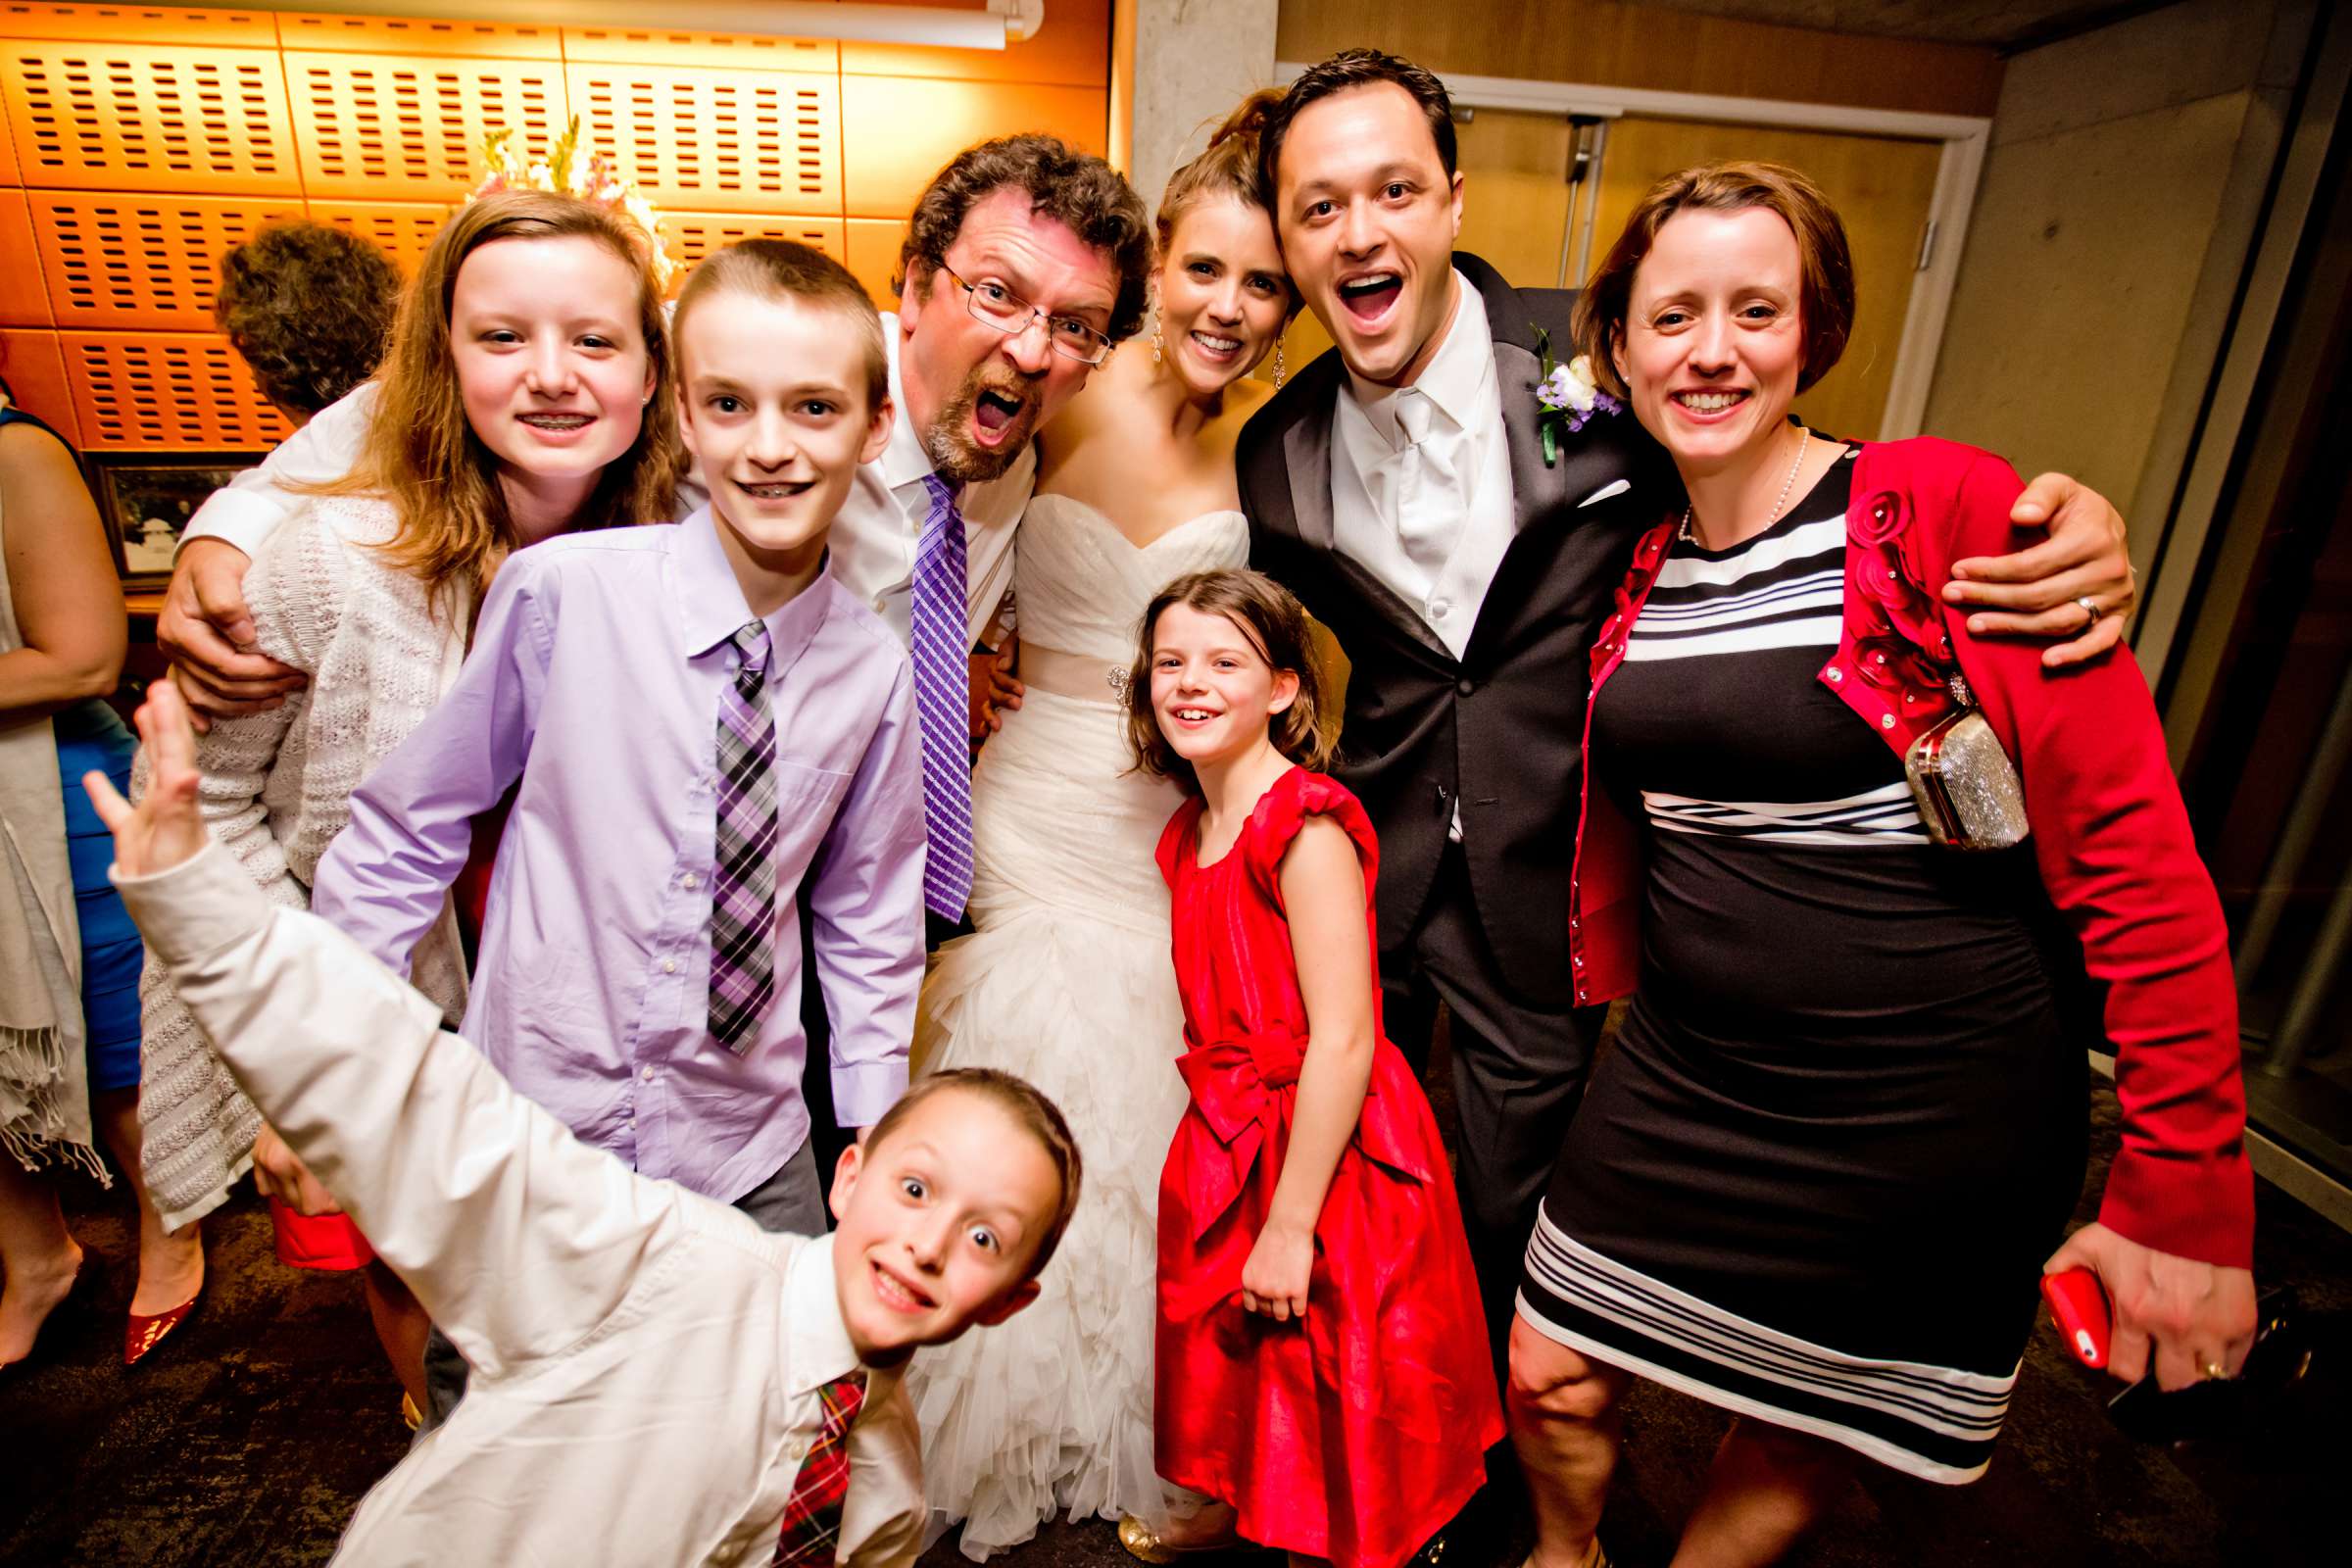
[1142, 1542]
[410, 1415]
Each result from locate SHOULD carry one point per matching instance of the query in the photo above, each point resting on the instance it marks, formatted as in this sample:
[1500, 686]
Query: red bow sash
[1246, 1089]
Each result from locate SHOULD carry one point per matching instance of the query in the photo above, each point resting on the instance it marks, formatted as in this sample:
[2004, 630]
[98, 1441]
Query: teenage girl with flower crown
[525, 392]
[1322, 1365]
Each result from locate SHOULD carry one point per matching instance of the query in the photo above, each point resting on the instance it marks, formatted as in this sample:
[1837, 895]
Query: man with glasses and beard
[1024, 262]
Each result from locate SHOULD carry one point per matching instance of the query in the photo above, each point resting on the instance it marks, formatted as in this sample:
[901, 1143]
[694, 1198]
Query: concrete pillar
[1189, 63]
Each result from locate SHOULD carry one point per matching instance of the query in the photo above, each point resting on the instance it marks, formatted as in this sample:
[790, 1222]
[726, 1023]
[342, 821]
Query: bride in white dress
[1067, 979]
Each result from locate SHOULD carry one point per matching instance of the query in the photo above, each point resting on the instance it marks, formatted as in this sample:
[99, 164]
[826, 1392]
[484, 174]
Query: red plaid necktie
[812, 1531]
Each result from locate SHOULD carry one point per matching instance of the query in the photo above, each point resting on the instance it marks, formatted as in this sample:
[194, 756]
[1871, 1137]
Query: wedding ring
[2090, 608]
[2213, 1371]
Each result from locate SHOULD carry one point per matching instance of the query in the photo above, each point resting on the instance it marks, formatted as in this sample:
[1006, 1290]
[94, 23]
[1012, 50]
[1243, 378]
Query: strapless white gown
[1067, 980]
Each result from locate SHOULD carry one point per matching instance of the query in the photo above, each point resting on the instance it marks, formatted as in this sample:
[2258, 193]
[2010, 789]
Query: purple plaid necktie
[743, 895]
[943, 703]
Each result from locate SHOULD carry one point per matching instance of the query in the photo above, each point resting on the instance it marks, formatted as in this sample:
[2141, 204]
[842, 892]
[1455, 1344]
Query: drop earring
[1159, 345]
[1278, 370]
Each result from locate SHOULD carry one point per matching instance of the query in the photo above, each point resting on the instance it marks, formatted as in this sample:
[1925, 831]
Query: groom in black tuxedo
[1400, 487]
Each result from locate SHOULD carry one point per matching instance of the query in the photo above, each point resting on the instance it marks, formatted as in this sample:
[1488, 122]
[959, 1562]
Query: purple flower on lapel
[1569, 397]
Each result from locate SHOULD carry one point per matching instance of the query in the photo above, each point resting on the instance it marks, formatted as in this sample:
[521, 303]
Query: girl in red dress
[1322, 1364]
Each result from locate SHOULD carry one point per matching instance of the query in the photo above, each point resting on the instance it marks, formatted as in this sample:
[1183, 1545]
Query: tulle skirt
[1067, 981]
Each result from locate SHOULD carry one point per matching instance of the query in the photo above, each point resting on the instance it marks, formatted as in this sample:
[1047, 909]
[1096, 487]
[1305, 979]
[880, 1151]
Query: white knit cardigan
[278, 789]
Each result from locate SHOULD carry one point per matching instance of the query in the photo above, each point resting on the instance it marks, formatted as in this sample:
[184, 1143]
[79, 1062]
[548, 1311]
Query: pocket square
[1612, 488]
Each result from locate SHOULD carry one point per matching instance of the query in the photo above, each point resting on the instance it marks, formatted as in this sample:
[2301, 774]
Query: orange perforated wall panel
[186, 390]
[35, 368]
[906, 128]
[140, 141]
[233, 25]
[393, 128]
[735, 141]
[433, 38]
[23, 300]
[137, 117]
[403, 229]
[112, 260]
[873, 255]
[691, 236]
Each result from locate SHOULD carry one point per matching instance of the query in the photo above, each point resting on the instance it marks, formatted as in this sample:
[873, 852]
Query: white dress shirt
[873, 539]
[1421, 477]
[646, 1361]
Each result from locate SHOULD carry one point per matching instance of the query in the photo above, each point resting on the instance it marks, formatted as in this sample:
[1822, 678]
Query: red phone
[2079, 1306]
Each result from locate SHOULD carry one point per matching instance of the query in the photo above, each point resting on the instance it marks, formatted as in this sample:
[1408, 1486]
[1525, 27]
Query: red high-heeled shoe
[142, 1334]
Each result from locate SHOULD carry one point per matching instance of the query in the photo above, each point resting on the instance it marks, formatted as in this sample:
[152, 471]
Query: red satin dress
[1359, 1434]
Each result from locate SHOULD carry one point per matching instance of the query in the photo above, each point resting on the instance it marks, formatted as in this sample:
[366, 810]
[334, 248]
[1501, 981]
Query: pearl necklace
[1779, 503]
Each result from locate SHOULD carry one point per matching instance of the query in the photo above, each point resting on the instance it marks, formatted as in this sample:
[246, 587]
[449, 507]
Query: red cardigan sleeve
[2113, 842]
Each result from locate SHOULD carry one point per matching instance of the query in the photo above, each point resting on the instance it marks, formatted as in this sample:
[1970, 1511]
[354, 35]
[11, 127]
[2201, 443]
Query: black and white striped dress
[1814, 1179]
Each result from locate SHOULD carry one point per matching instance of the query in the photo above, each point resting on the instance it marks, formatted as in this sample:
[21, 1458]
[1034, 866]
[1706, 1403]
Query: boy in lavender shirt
[701, 719]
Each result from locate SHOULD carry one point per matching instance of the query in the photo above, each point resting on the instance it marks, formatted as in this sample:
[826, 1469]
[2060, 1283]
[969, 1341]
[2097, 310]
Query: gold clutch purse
[1965, 786]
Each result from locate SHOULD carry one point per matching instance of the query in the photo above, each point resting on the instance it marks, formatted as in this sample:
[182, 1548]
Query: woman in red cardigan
[1842, 1128]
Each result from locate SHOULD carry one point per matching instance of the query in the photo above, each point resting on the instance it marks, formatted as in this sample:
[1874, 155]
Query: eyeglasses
[994, 305]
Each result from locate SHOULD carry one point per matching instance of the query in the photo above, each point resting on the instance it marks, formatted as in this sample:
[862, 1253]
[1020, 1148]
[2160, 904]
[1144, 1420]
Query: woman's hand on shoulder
[2181, 1318]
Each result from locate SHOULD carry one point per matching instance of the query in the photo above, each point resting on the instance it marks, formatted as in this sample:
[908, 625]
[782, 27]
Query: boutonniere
[1569, 396]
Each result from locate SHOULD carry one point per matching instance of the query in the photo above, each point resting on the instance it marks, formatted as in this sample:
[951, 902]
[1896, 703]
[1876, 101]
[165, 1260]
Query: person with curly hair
[309, 308]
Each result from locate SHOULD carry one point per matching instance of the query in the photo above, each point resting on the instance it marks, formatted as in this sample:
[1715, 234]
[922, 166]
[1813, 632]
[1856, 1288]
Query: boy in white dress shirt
[657, 1380]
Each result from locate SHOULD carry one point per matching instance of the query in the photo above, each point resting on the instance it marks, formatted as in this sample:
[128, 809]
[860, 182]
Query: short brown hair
[1027, 1106]
[786, 270]
[422, 454]
[1826, 297]
[307, 308]
[1079, 190]
[1347, 69]
[1275, 622]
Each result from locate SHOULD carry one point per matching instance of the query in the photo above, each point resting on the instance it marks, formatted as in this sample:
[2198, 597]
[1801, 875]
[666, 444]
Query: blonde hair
[423, 455]
[1276, 624]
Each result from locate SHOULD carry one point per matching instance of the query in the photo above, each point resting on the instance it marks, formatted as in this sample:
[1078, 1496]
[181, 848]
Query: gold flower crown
[570, 170]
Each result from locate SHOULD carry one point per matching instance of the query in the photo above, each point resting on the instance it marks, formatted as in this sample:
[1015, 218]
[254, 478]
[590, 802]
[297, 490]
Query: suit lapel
[1307, 454]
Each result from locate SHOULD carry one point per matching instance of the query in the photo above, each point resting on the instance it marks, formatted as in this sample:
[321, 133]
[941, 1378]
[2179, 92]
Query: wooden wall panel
[403, 127]
[1630, 45]
[873, 245]
[165, 389]
[736, 141]
[233, 25]
[24, 301]
[335, 33]
[111, 117]
[904, 128]
[35, 370]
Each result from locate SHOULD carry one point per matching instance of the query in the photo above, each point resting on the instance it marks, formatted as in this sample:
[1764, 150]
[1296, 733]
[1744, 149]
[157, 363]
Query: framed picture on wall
[148, 498]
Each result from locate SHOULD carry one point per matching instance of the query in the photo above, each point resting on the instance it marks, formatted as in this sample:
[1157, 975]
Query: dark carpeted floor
[247, 1439]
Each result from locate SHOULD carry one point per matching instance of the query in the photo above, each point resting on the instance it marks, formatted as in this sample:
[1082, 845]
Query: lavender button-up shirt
[595, 680]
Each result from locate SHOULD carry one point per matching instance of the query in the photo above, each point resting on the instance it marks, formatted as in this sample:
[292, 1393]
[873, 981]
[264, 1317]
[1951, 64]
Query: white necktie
[1425, 482]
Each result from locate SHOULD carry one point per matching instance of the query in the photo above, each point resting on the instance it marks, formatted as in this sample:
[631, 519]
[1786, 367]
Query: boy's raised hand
[163, 830]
